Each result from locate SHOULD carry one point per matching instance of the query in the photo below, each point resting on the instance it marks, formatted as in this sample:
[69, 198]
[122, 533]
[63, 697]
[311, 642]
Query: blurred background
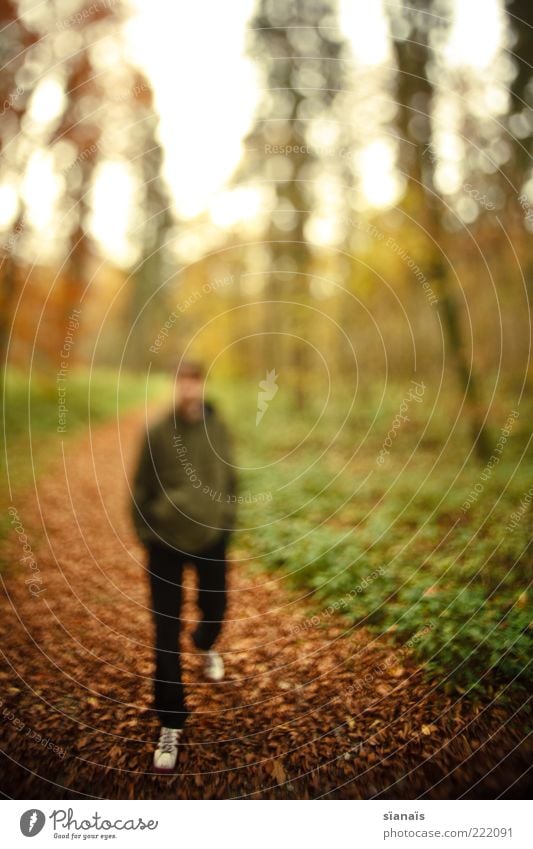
[326, 201]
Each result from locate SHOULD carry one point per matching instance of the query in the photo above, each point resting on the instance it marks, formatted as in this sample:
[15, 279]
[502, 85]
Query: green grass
[389, 547]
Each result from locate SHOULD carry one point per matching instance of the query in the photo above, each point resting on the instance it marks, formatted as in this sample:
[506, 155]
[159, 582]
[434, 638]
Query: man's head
[189, 388]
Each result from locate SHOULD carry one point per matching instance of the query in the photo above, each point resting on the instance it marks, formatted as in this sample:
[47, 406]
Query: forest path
[306, 710]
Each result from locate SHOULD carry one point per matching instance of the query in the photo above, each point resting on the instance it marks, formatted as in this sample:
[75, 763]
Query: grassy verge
[425, 545]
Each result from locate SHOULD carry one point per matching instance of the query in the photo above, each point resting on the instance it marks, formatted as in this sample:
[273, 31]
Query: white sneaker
[166, 754]
[213, 666]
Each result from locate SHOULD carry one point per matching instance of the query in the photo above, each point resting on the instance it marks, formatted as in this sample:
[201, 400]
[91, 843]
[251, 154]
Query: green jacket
[184, 487]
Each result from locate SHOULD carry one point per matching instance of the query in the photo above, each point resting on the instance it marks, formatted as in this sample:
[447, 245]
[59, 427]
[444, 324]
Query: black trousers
[165, 567]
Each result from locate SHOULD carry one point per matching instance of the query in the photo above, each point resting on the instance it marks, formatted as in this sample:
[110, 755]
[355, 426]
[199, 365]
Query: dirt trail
[290, 721]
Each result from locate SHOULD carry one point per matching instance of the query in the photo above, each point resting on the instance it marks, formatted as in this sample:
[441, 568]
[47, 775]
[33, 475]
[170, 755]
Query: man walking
[184, 500]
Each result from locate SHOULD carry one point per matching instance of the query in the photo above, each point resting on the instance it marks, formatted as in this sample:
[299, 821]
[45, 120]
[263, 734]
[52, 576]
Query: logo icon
[269, 388]
[31, 822]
